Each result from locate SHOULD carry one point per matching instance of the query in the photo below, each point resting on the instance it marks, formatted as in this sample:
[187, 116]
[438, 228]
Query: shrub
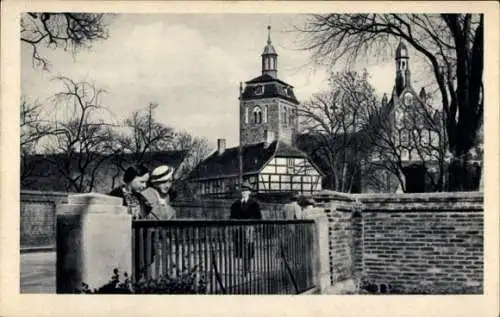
[185, 283]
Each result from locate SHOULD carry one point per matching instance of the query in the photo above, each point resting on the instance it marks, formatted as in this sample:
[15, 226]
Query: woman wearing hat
[157, 193]
[243, 238]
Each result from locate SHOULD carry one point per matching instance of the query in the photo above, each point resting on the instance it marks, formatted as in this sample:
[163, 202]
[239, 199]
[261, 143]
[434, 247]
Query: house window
[257, 115]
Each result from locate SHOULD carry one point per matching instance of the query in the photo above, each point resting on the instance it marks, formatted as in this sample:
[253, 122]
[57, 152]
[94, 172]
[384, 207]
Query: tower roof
[269, 48]
[401, 51]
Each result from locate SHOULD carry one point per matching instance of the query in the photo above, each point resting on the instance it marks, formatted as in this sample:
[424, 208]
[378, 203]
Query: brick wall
[37, 218]
[423, 243]
[344, 226]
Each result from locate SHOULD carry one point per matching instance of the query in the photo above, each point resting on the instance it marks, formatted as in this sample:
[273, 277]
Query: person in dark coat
[244, 237]
[135, 180]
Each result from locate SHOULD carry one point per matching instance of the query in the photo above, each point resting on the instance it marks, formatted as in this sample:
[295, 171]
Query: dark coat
[149, 238]
[144, 203]
[243, 238]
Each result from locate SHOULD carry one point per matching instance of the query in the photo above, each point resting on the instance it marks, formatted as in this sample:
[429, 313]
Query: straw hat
[161, 174]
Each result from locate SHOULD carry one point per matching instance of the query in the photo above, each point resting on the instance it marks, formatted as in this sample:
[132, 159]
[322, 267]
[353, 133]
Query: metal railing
[230, 256]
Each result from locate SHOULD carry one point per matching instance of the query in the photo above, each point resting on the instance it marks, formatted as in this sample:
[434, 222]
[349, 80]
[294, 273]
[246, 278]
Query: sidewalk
[38, 272]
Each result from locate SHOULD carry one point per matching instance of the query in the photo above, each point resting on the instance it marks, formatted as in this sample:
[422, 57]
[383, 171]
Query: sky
[191, 65]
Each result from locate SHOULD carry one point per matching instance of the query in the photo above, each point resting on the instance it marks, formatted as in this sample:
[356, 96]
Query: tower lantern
[269, 57]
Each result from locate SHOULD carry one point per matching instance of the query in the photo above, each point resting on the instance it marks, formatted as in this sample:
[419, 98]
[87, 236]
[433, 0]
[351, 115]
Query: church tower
[403, 79]
[268, 106]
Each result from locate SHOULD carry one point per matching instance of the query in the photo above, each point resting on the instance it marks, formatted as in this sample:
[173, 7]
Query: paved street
[38, 272]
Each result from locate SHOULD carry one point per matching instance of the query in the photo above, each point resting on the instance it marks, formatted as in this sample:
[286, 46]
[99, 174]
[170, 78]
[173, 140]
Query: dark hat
[246, 186]
[307, 200]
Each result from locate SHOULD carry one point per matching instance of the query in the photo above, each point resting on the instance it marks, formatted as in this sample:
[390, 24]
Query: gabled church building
[416, 134]
[268, 128]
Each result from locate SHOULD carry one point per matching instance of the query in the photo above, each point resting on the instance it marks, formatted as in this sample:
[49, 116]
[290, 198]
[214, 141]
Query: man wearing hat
[245, 208]
[157, 193]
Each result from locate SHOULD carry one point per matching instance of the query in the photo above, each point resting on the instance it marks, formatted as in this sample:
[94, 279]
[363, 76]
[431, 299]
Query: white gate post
[93, 236]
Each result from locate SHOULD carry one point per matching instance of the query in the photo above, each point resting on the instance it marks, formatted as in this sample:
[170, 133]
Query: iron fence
[228, 256]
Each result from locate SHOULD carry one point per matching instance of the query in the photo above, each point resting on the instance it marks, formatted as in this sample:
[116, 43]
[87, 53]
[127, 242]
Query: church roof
[273, 87]
[255, 157]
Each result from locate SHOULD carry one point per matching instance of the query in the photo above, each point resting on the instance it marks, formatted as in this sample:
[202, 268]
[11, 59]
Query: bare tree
[81, 143]
[32, 130]
[451, 43]
[334, 121]
[70, 31]
[195, 149]
[145, 135]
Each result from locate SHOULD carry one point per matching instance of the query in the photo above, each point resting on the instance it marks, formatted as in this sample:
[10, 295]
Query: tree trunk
[464, 175]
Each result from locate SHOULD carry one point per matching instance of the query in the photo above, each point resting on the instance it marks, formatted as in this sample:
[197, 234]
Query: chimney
[221, 146]
[268, 137]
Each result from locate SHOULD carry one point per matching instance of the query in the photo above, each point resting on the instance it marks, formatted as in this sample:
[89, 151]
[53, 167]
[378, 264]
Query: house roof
[255, 157]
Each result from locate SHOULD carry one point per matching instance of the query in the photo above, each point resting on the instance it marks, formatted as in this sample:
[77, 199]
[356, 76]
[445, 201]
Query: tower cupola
[269, 57]
[403, 74]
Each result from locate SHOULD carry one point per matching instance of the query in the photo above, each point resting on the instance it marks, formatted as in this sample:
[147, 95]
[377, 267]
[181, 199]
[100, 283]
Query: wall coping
[330, 195]
[94, 199]
[41, 196]
[43, 193]
[417, 202]
[421, 197]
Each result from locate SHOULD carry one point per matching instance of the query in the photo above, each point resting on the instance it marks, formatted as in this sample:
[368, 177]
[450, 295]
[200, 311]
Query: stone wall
[37, 218]
[423, 243]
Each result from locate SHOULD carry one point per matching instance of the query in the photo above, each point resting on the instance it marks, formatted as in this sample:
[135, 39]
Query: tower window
[257, 115]
[259, 90]
[265, 114]
[284, 116]
[246, 115]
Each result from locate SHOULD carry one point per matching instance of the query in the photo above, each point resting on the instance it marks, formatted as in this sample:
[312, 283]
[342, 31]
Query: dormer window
[257, 115]
[259, 90]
